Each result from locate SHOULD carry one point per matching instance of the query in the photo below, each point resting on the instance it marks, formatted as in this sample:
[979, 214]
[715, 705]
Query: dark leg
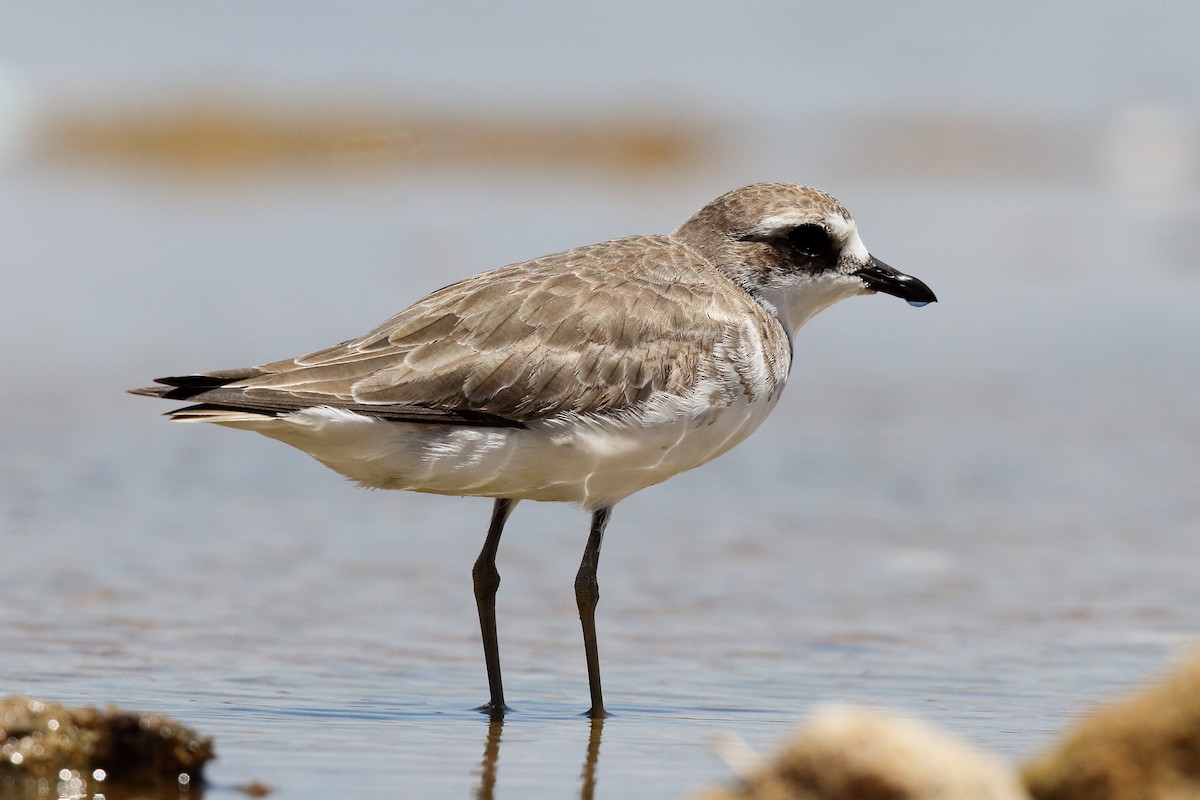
[487, 580]
[587, 594]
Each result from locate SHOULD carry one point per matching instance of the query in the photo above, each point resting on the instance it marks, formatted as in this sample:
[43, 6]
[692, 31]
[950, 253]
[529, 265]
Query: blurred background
[984, 512]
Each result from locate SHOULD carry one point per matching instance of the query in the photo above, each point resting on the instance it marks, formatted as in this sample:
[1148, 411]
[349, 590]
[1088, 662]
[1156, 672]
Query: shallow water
[984, 512]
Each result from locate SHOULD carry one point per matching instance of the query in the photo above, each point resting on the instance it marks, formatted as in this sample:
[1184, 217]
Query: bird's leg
[587, 594]
[487, 580]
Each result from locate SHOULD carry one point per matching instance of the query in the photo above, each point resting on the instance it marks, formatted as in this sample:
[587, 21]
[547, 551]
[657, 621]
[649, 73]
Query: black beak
[879, 277]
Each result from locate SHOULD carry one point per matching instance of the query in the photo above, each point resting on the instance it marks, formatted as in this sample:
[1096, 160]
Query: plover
[580, 377]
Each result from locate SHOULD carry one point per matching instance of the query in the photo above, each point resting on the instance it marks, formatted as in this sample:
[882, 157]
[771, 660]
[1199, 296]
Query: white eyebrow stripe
[847, 231]
[838, 225]
[777, 223]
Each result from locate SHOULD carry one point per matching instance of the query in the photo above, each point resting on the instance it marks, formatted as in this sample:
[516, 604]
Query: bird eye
[811, 240]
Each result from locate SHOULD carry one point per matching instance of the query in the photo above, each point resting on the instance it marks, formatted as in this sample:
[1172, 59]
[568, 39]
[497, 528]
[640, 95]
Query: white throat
[802, 298]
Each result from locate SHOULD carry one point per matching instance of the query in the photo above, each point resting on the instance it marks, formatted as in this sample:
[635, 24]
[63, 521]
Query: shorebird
[579, 377]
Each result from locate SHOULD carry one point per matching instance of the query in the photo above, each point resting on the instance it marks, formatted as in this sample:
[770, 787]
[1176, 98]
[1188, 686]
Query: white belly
[592, 461]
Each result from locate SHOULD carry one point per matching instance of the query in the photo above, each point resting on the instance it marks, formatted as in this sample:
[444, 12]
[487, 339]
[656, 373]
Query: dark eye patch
[809, 240]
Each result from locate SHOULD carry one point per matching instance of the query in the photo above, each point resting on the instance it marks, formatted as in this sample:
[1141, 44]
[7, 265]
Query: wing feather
[556, 334]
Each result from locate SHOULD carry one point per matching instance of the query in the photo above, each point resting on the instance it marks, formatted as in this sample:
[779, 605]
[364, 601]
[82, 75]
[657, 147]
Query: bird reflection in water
[491, 758]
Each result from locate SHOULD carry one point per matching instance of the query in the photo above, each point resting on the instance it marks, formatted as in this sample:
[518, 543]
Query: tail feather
[217, 401]
[185, 387]
[205, 412]
[210, 379]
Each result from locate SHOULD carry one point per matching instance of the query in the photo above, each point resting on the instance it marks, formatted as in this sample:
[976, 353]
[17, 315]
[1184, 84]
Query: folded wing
[524, 342]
